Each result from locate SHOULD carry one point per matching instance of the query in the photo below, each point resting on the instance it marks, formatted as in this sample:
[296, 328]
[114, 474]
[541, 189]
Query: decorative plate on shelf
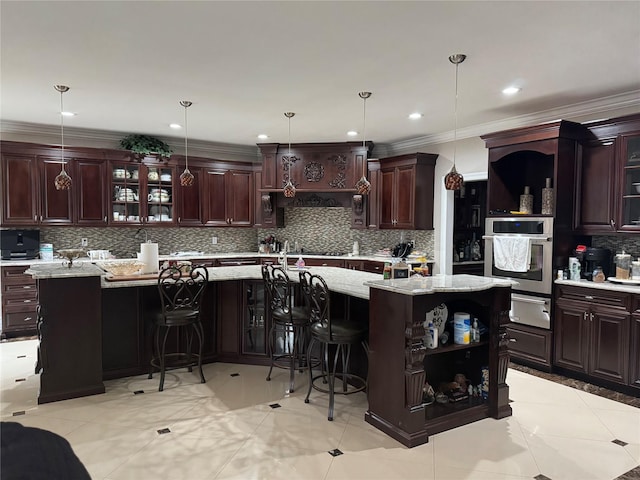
[438, 316]
[624, 281]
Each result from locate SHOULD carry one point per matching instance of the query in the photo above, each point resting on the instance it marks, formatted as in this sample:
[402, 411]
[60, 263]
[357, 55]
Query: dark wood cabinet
[29, 193]
[19, 301]
[189, 203]
[595, 192]
[530, 345]
[629, 184]
[404, 198]
[91, 204]
[229, 197]
[266, 213]
[592, 333]
[228, 312]
[634, 351]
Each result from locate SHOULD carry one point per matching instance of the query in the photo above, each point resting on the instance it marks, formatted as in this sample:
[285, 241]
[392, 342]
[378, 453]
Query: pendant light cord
[62, 130]
[455, 118]
[364, 134]
[186, 131]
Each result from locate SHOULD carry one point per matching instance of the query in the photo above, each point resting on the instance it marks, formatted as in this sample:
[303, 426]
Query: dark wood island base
[400, 364]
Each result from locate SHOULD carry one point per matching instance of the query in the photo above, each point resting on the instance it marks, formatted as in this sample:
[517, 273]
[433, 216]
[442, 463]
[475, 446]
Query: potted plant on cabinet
[145, 145]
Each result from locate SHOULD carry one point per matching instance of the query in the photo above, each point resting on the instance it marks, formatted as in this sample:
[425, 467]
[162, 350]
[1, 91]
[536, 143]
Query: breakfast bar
[95, 327]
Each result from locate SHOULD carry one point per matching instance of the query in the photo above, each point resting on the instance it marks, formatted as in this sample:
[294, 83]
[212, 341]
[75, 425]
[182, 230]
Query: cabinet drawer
[593, 295]
[17, 289]
[372, 266]
[234, 262]
[323, 262]
[12, 302]
[19, 321]
[16, 275]
[531, 344]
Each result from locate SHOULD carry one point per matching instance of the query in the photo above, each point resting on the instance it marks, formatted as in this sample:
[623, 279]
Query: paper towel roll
[149, 256]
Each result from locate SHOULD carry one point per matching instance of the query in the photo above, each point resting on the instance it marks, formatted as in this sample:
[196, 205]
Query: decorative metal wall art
[313, 172]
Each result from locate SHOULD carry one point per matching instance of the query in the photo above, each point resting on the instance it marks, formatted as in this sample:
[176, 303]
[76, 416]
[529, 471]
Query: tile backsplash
[315, 229]
[629, 243]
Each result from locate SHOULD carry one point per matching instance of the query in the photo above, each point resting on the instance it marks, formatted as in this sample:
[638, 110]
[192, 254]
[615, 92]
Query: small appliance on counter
[591, 258]
[19, 244]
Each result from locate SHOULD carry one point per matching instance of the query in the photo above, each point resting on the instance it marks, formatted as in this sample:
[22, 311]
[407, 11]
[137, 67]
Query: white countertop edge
[439, 283]
[616, 287]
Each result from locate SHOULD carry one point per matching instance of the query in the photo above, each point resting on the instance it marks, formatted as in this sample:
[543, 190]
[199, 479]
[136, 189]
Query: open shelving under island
[400, 365]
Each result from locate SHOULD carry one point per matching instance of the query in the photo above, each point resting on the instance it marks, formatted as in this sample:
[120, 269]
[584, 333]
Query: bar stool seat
[180, 299]
[335, 334]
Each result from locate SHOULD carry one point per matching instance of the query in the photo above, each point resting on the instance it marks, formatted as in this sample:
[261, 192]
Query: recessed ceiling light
[263, 136]
[175, 125]
[511, 90]
[68, 114]
[415, 116]
[352, 133]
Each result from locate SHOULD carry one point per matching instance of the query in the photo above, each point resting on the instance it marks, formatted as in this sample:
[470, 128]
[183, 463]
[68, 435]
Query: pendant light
[62, 180]
[289, 189]
[363, 187]
[453, 180]
[186, 177]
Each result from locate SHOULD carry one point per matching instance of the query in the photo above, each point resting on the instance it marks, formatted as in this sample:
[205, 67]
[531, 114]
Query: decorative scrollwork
[339, 182]
[341, 179]
[286, 160]
[313, 171]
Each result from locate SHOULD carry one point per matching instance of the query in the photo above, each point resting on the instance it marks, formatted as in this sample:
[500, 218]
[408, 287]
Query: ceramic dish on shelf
[636, 185]
[625, 281]
[438, 316]
[635, 222]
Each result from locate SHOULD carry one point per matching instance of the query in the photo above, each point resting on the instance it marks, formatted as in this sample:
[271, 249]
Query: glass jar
[598, 275]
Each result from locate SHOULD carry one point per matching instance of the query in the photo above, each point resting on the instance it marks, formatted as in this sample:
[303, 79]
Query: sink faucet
[139, 231]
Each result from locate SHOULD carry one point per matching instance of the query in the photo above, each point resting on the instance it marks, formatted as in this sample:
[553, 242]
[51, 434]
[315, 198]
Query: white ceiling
[243, 64]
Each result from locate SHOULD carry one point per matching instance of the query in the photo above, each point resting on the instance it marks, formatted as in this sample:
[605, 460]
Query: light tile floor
[226, 429]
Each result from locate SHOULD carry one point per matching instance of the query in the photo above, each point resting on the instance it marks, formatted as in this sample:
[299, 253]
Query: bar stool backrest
[318, 299]
[279, 288]
[182, 291]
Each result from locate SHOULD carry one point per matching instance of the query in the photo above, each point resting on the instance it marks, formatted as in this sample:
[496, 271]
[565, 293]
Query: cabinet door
[240, 198]
[405, 180]
[55, 205]
[254, 319]
[216, 198]
[629, 184]
[386, 199]
[229, 300]
[127, 191]
[571, 335]
[90, 192]
[157, 201]
[19, 189]
[634, 353]
[595, 197]
[609, 343]
[190, 202]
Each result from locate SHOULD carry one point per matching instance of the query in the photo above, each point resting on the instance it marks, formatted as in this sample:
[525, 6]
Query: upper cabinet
[91, 206]
[229, 194]
[526, 157]
[403, 193]
[314, 167]
[608, 187]
[29, 195]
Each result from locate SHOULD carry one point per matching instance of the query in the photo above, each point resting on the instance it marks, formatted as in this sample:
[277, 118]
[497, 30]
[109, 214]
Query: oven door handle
[535, 301]
[533, 239]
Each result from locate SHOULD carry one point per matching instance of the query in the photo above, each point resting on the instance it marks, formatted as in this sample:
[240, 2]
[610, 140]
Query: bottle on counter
[386, 273]
[300, 262]
[475, 331]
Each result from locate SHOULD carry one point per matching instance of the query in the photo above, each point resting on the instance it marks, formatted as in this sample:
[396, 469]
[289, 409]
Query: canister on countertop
[623, 265]
[461, 328]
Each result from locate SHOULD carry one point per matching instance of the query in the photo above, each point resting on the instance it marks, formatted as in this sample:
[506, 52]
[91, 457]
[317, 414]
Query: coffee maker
[593, 257]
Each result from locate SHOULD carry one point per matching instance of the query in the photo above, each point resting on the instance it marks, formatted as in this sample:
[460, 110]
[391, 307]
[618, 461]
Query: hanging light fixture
[363, 187]
[289, 189]
[62, 180]
[453, 180]
[186, 177]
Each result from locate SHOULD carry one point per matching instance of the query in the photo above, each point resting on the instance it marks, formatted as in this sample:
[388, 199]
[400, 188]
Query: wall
[315, 229]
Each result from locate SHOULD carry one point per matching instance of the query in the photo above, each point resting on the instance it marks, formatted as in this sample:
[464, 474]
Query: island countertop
[417, 285]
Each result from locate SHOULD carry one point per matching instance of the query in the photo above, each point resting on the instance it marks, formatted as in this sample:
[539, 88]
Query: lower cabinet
[634, 354]
[592, 337]
[530, 344]
[19, 301]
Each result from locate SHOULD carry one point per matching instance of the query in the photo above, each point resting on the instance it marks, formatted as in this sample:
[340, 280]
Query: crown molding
[85, 137]
[600, 106]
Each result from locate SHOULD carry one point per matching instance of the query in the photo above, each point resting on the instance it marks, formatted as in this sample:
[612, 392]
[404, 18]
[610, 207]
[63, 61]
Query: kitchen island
[112, 316]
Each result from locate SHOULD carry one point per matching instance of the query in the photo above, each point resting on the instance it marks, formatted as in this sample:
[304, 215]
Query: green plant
[145, 145]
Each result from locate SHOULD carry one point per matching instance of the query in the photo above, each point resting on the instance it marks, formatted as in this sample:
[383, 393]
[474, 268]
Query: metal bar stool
[289, 323]
[180, 298]
[332, 334]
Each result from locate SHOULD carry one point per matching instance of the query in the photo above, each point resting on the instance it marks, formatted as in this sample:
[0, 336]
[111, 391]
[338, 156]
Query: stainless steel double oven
[531, 300]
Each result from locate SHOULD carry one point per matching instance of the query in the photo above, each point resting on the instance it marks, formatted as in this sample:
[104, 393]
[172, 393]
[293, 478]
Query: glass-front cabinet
[141, 193]
[630, 199]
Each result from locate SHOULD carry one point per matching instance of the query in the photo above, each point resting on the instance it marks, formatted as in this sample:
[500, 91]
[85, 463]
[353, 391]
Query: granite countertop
[439, 283]
[57, 270]
[618, 287]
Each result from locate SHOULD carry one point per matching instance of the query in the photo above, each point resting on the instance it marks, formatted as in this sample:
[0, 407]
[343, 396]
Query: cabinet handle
[584, 316]
[179, 219]
[588, 297]
[35, 218]
[591, 316]
[26, 301]
[105, 219]
[513, 340]
[613, 223]
[27, 286]
[26, 319]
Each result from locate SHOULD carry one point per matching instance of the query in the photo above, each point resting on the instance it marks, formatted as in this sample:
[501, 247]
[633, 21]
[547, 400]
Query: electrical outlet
[84, 242]
[214, 240]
